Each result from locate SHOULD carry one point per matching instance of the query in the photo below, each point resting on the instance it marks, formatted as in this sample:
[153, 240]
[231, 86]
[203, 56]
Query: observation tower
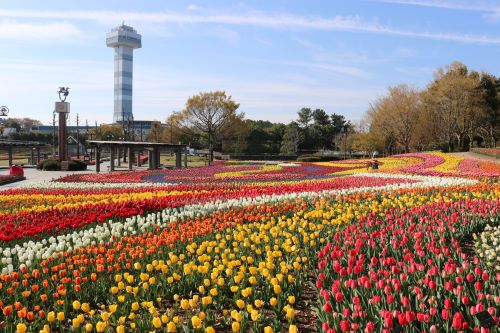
[124, 40]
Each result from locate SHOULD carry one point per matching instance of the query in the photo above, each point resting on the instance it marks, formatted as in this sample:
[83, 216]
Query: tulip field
[257, 247]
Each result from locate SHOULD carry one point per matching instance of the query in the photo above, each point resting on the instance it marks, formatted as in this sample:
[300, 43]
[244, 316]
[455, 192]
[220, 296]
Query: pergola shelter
[9, 145]
[131, 147]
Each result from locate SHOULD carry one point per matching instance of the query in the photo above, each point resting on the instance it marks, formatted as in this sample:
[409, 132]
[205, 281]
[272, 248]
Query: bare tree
[211, 115]
[396, 115]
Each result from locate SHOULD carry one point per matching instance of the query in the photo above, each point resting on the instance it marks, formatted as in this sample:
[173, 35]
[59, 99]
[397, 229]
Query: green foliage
[32, 136]
[76, 165]
[55, 165]
[291, 139]
[318, 158]
[264, 137]
[49, 165]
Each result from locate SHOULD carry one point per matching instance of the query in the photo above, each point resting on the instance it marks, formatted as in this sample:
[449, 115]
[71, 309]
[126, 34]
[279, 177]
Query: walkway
[477, 156]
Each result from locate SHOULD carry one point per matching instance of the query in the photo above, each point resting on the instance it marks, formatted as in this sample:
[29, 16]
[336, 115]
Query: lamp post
[62, 107]
[53, 133]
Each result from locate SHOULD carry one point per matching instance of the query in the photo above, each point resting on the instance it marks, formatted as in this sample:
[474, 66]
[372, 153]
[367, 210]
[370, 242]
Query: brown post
[97, 159]
[10, 155]
[119, 155]
[112, 159]
[37, 155]
[130, 159]
[33, 156]
[185, 158]
[178, 158]
[157, 158]
[63, 137]
[151, 159]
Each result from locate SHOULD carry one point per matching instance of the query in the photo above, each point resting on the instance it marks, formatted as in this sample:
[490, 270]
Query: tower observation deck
[124, 40]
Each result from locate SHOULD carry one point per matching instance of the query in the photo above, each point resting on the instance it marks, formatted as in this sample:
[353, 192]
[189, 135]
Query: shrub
[318, 158]
[77, 165]
[309, 158]
[55, 165]
[49, 165]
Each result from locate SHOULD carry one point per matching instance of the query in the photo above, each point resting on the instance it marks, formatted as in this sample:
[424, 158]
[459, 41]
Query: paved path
[476, 156]
[34, 176]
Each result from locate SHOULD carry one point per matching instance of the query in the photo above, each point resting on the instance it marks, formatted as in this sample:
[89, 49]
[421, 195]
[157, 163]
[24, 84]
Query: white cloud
[347, 70]
[44, 32]
[193, 7]
[284, 21]
[456, 5]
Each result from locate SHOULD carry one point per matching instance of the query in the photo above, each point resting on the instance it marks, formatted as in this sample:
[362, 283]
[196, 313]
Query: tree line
[457, 110]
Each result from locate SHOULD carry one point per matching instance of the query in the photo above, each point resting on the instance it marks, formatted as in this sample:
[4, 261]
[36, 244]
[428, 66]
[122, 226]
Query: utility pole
[87, 134]
[77, 137]
[123, 123]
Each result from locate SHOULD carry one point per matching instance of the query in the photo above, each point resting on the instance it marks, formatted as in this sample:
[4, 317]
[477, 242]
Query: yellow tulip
[171, 327]
[51, 316]
[120, 329]
[76, 305]
[196, 321]
[235, 326]
[75, 323]
[156, 322]
[100, 326]
[240, 303]
[105, 316]
[21, 328]
[255, 315]
[290, 313]
[88, 327]
[209, 329]
[184, 304]
[135, 306]
[277, 289]
[268, 329]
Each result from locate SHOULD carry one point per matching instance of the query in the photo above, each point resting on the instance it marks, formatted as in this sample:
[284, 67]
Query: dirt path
[477, 156]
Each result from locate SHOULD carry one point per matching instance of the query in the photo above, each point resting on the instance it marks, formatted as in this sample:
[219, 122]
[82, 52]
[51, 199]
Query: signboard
[4, 111]
[62, 107]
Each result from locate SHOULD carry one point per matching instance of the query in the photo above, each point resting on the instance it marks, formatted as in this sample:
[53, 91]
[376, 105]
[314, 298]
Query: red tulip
[345, 326]
[457, 320]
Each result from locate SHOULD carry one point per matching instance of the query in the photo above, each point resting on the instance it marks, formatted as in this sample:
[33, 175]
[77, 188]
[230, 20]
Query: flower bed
[493, 152]
[406, 270]
[233, 248]
[197, 272]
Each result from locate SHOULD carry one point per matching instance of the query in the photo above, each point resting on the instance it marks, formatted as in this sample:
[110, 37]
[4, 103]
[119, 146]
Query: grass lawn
[193, 161]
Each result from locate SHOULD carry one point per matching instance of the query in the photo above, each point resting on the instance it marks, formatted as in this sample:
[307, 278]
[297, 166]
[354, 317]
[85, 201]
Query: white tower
[124, 40]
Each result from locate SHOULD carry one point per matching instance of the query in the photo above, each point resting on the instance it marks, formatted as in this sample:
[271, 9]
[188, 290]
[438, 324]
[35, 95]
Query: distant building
[50, 129]
[8, 131]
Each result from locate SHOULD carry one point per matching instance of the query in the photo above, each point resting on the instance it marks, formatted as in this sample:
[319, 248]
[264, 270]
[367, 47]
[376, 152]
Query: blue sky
[273, 57]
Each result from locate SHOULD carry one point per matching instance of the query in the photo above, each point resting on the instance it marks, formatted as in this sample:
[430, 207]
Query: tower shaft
[123, 83]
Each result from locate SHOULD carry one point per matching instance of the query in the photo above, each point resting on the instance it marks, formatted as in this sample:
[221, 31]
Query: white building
[124, 40]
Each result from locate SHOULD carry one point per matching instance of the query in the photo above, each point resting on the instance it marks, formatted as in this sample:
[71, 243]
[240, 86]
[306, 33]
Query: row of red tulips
[406, 271]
